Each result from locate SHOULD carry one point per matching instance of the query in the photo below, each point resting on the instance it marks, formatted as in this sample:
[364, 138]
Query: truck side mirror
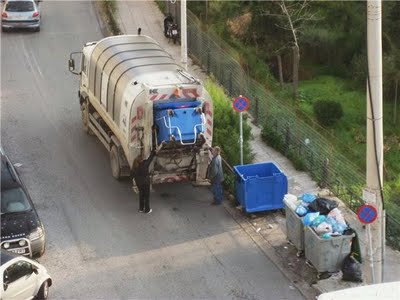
[71, 62]
[71, 65]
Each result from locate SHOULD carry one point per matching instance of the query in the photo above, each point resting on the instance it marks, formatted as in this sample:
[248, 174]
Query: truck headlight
[22, 243]
[36, 234]
[6, 245]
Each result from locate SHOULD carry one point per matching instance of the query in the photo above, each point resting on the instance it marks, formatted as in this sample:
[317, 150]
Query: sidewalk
[267, 230]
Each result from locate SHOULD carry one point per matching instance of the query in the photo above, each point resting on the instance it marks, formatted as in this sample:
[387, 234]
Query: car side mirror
[35, 270]
[5, 286]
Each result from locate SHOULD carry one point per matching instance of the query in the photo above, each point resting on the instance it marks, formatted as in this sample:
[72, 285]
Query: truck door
[84, 77]
[142, 125]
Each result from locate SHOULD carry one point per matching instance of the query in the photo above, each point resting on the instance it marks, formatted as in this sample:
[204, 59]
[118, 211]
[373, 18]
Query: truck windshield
[14, 200]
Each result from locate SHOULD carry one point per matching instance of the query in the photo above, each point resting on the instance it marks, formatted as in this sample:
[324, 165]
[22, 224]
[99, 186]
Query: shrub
[327, 112]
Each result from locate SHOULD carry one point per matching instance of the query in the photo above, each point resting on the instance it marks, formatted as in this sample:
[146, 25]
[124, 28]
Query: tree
[294, 16]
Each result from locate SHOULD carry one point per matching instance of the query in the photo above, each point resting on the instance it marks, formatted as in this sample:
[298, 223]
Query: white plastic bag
[323, 228]
[337, 215]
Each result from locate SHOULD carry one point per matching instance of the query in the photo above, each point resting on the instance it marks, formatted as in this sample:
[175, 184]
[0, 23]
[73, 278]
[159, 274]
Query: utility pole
[183, 35]
[375, 246]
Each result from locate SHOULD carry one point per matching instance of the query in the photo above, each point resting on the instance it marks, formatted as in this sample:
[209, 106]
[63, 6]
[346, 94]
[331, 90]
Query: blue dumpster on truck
[260, 187]
[179, 121]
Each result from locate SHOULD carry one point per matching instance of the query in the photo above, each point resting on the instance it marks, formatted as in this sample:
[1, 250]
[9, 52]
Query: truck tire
[115, 163]
[85, 116]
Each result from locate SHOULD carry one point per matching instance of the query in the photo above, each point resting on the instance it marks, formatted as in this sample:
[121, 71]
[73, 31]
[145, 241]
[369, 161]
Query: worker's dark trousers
[144, 197]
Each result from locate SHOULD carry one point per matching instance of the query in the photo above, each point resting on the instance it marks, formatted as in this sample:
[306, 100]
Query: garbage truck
[136, 99]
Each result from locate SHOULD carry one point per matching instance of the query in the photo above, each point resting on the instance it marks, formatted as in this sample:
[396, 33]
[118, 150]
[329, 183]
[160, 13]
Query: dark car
[22, 231]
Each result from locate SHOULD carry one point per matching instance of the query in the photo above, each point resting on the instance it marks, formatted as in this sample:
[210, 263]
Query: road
[98, 245]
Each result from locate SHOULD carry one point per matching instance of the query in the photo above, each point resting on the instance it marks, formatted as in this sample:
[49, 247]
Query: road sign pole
[241, 104]
[241, 137]
[375, 153]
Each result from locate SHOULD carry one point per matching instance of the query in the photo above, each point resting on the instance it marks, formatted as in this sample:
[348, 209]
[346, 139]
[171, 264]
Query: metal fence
[300, 141]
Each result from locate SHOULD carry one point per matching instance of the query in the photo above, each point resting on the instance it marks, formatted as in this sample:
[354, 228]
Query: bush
[226, 131]
[327, 112]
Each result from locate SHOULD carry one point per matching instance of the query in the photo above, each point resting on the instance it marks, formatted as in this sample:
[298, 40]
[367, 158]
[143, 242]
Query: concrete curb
[104, 28]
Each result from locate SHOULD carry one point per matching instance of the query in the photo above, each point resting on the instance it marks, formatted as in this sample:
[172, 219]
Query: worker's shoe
[149, 211]
[141, 210]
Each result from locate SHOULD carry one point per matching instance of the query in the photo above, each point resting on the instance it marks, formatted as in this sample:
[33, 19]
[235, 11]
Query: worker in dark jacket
[216, 175]
[141, 175]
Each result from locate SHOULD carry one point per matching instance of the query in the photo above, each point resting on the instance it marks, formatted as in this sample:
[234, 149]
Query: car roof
[6, 257]
[20, 0]
[7, 179]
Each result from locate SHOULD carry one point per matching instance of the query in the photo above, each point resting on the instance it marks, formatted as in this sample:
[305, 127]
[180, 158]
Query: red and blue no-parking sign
[367, 214]
[241, 104]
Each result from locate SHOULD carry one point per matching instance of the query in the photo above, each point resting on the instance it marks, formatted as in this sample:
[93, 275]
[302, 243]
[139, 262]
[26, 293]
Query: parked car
[22, 231]
[20, 14]
[23, 278]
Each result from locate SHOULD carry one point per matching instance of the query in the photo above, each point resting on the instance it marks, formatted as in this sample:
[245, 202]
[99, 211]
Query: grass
[350, 132]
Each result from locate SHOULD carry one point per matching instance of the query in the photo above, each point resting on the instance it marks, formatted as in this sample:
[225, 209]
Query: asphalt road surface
[98, 245]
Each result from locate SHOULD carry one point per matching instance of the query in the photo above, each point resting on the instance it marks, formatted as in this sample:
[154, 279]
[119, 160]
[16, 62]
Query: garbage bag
[326, 235]
[351, 269]
[323, 228]
[309, 218]
[291, 201]
[308, 198]
[337, 215]
[318, 220]
[301, 210]
[322, 205]
[337, 228]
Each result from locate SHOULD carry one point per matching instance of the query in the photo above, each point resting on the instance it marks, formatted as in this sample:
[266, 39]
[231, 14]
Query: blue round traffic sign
[367, 214]
[241, 104]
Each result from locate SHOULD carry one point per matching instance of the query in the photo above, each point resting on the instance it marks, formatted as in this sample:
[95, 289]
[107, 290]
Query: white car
[20, 14]
[23, 278]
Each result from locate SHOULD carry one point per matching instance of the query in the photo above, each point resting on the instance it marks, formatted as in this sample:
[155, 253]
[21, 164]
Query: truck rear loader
[136, 99]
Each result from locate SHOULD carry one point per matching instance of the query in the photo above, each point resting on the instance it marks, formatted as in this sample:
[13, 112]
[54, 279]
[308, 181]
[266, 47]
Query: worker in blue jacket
[216, 175]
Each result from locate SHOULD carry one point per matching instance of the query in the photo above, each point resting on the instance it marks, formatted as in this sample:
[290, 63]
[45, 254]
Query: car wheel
[43, 292]
[37, 29]
[4, 29]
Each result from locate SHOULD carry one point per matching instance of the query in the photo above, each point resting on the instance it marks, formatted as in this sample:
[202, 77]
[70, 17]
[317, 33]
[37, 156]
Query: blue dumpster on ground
[260, 187]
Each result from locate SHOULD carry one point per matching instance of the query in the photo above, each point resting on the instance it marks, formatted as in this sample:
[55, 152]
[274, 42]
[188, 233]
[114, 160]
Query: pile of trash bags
[322, 215]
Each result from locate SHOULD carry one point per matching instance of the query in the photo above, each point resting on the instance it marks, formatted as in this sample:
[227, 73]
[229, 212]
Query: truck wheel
[85, 117]
[115, 163]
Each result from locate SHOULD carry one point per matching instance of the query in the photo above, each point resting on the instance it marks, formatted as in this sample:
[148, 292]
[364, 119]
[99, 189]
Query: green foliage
[161, 5]
[109, 7]
[226, 129]
[272, 138]
[333, 60]
[327, 112]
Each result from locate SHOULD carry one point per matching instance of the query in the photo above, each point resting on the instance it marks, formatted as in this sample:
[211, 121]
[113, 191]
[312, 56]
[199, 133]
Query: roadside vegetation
[226, 132]
[331, 71]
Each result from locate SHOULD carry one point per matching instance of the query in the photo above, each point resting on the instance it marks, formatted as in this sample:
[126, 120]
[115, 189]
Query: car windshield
[20, 6]
[14, 200]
